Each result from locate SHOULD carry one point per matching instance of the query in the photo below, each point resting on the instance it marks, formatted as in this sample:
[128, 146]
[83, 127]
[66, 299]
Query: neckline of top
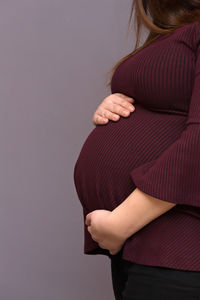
[177, 29]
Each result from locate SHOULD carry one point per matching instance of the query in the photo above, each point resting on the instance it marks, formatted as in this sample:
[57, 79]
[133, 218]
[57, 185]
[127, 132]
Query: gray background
[54, 56]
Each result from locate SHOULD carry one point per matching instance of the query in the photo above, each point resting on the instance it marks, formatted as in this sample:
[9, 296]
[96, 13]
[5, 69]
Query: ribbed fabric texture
[156, 148]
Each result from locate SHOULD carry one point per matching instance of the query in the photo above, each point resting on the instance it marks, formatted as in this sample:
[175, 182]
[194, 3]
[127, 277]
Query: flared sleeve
[174, 176]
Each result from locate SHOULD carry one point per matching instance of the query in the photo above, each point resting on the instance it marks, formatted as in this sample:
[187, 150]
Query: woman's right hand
[112, 107]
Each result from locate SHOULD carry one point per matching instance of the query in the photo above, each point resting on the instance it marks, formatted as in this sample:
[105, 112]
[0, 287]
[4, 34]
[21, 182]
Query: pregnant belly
[102, 170]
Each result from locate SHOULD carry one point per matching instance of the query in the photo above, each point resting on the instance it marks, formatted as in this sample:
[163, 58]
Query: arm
[110, 229]
[136, 211]
[174, 176]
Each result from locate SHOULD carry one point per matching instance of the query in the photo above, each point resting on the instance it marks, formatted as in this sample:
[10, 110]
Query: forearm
[136, 211]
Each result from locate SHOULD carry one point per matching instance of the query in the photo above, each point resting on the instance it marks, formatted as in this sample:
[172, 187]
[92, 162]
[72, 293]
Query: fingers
[113, 252]
[129, 99]
[112, 111]
[123, 103]
[116, 108]
[107, 114]
[97, 119]
[89, 228]
[88, 219]
[101, 245]
[112, 108]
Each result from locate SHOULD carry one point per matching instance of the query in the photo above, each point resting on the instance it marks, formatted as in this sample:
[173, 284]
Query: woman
[138, 176]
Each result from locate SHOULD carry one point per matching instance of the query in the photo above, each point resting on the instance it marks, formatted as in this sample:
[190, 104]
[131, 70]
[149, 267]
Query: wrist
[119, 225]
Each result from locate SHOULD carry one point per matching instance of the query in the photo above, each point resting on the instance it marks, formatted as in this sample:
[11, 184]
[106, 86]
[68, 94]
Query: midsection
[111, 151]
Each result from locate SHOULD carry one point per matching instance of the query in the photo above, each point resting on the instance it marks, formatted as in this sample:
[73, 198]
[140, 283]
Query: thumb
[88, 219]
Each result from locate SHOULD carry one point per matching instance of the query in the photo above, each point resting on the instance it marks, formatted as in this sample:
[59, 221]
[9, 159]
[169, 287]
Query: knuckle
[124, 112]
[99, 112]
[124, 102]
[103, 113]
[112, 115]
[127, 104]
[97, 120]
[107, 114]
[109, 100]
[113, 107]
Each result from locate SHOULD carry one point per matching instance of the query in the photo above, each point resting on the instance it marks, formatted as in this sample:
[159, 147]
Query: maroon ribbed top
[156, 148]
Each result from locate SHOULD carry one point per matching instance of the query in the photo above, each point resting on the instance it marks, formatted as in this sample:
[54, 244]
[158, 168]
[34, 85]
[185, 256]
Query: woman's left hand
[103, 230]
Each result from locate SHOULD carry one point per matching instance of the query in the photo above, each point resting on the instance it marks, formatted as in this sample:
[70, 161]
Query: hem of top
[159, 264]
[136, 260]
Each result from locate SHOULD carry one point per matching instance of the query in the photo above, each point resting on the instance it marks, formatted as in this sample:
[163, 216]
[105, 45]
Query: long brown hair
[167, 16]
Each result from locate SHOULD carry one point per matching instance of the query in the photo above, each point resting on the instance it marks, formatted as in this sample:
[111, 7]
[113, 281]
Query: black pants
[133, 281]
